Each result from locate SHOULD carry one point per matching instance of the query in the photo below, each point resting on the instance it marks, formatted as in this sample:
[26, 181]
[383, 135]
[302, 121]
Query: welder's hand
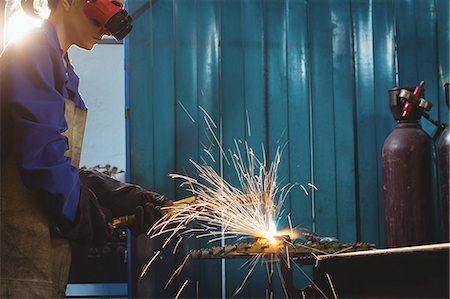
[144, 218]
[125, 200]
[91, 224]
[120, 198]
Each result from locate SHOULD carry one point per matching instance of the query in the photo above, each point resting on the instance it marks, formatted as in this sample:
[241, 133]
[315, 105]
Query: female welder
[46, 201]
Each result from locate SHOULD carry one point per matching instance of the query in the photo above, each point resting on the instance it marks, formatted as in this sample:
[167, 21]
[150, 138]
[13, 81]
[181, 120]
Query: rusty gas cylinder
[407, 167]
[444, 162]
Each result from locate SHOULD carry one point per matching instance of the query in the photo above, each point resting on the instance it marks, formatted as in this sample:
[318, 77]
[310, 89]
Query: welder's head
[110, 15]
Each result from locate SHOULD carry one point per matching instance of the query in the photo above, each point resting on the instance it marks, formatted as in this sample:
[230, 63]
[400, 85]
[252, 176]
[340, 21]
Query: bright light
[20, 24]
[272, 229]
[272, 233]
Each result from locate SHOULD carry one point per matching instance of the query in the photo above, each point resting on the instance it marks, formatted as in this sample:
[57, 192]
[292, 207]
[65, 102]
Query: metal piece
[281, 252]
[303, 253]
[385, 273]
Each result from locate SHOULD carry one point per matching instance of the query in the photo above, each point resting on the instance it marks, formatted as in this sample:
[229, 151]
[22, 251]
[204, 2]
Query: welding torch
[128, 220]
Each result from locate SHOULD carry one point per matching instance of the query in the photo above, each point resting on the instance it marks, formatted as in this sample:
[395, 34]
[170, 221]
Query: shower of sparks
[250, 210]
[222, 209]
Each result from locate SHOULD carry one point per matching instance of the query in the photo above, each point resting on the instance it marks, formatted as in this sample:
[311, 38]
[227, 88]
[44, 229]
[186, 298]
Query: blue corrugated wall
[308, 76]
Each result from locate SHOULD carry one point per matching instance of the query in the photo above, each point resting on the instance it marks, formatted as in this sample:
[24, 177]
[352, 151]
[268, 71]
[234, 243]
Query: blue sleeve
[36, 107]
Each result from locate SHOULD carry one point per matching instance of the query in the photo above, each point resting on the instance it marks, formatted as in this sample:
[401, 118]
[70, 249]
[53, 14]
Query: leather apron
[33, 264]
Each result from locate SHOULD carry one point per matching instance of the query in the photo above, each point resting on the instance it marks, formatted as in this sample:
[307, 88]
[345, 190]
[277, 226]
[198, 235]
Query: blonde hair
[34, 7]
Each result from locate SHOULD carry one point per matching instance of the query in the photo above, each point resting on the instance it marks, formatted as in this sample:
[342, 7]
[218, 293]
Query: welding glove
[125, 199]
[91, 224]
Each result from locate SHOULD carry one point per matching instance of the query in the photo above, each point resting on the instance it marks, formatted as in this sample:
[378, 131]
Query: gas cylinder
[407, 169]
[444, 162]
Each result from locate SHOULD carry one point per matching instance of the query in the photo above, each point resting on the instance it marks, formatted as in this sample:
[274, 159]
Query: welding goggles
[110, 15]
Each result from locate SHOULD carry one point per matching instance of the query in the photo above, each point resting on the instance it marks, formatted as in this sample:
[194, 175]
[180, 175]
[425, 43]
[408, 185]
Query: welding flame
[272, 233]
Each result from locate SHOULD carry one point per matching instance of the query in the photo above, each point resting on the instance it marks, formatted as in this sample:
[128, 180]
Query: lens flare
[19, 25]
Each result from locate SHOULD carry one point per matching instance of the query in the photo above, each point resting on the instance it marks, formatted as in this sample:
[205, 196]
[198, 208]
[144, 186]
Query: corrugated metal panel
[310, 77]
[343, 119]
[384, 74]
[323, 138]
[366, 121]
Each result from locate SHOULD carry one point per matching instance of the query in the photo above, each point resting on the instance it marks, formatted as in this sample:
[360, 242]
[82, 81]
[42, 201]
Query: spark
[209, 154]
[176, 245]
[148, 264]
[311, 281]
[254, 262]
[216, 140]
[317, 259]
[331, 285]
[290, 224]
[221, 238]
[281, 136]
[304, 189]
[312, 186]
[283, 284]
[185, 110]
[209, 139]
[181, 289]
[288, 260]
[208, 116]
[177, 271]
[248, 125]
